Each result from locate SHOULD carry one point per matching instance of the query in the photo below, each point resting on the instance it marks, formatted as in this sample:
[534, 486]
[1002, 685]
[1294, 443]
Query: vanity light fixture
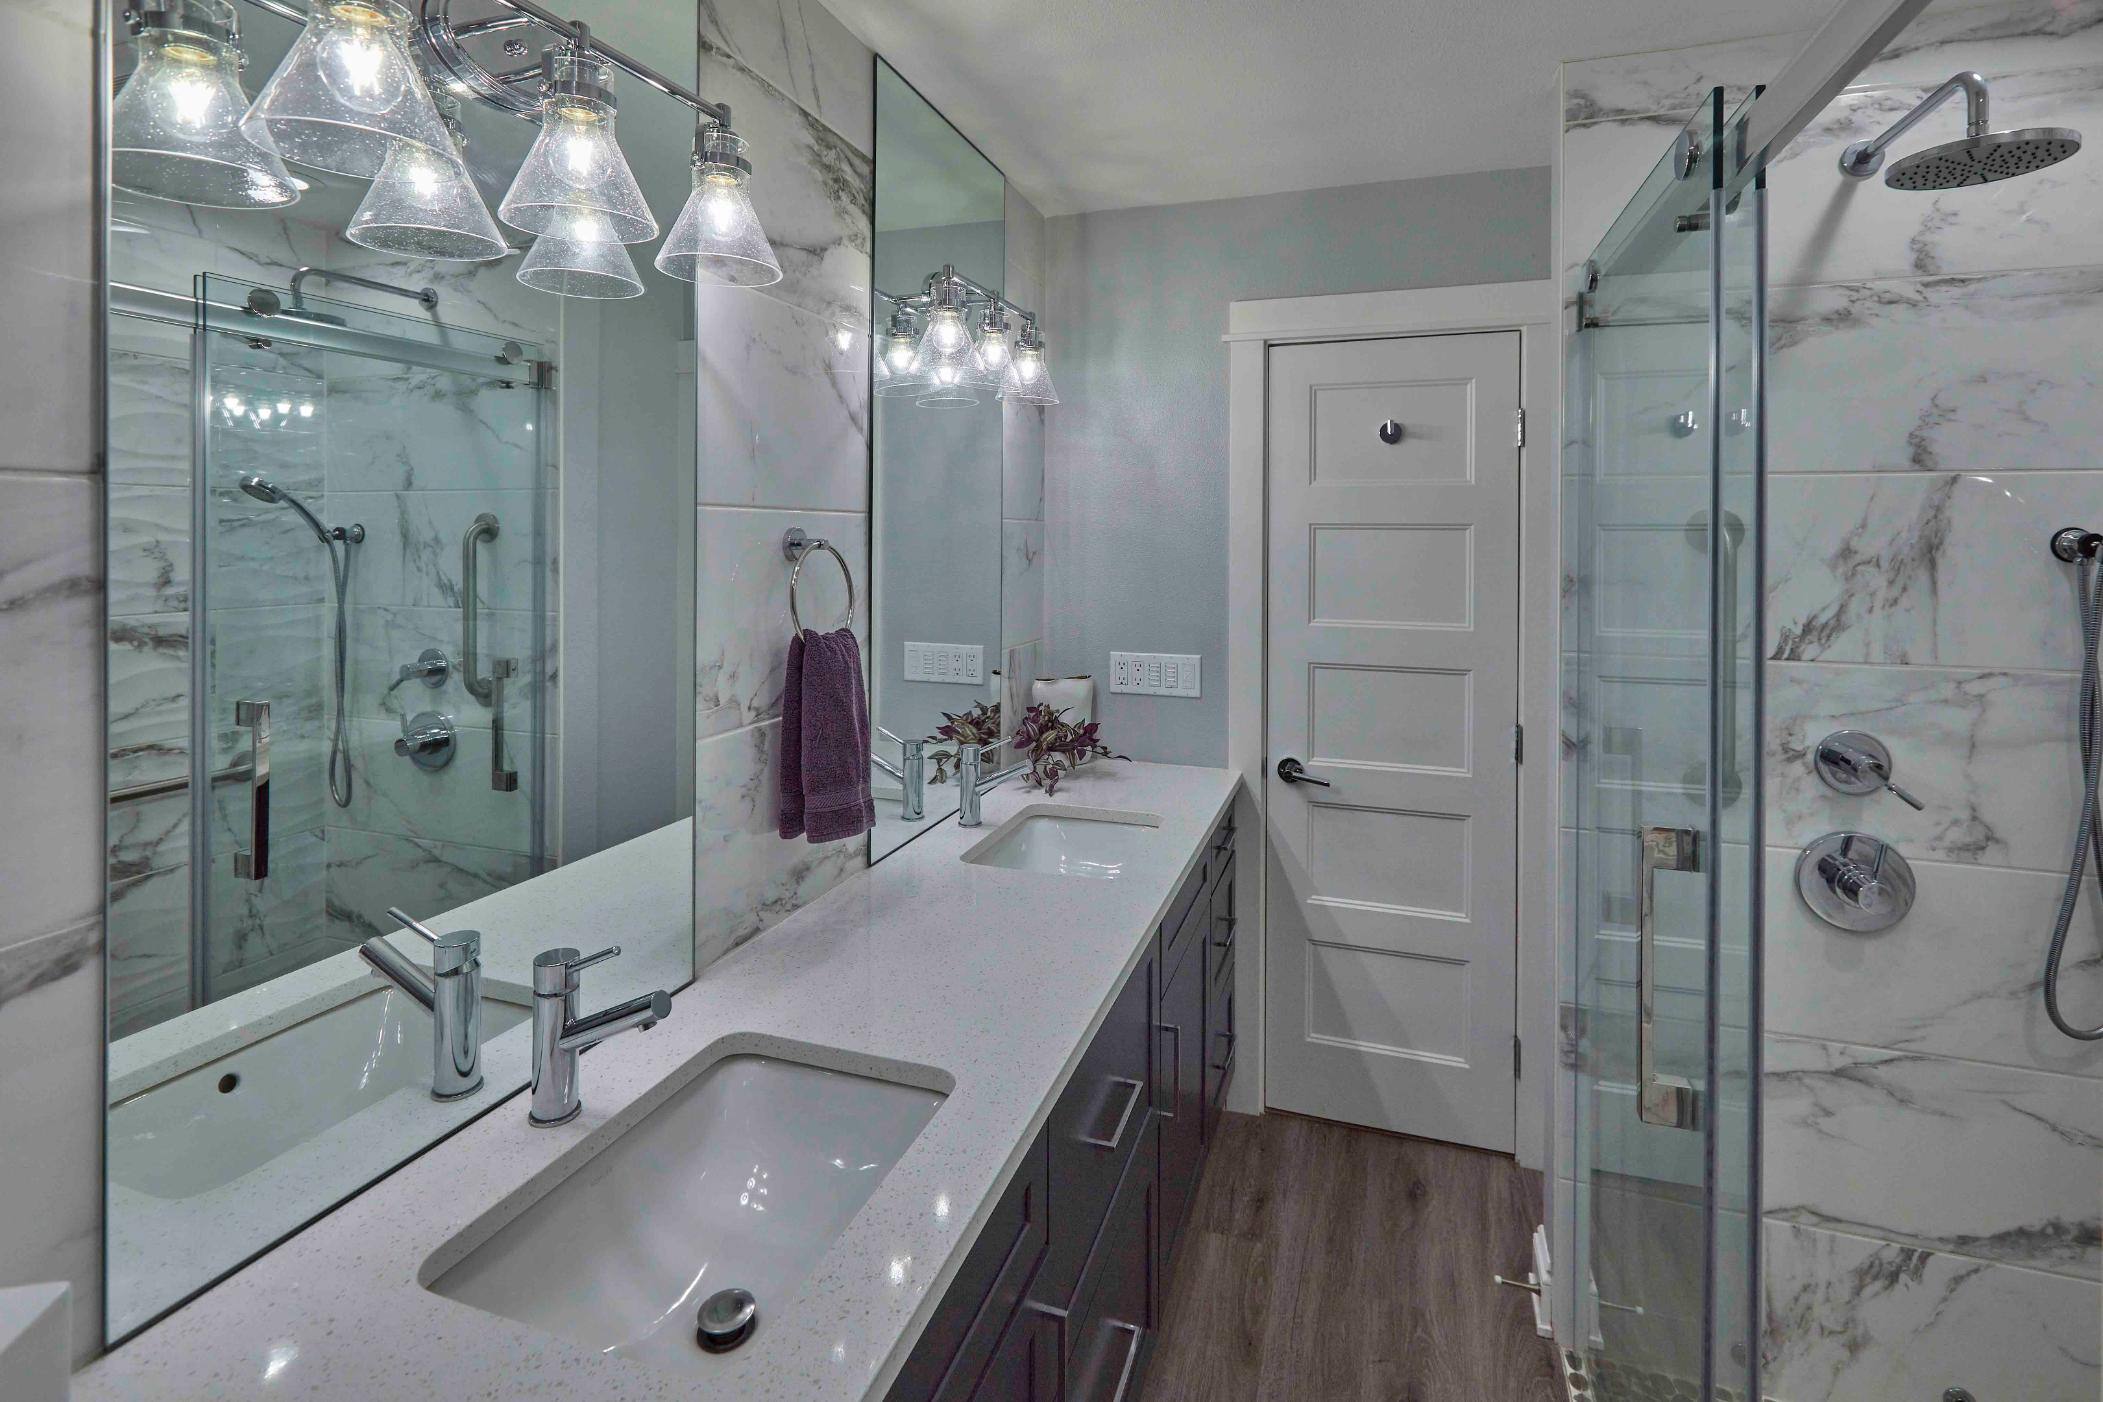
[946, 365]
[589, 264]
[717, 236]
[175, 127]
[575, 183]
[1028, 380]
[946, 362]
[347, 91]
[424, 204]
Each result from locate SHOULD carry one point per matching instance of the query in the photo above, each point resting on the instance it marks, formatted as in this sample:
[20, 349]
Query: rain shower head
[1981, 158]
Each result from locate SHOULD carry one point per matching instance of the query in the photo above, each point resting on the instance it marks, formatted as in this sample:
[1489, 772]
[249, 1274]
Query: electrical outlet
[1154, 673]
[960, 664]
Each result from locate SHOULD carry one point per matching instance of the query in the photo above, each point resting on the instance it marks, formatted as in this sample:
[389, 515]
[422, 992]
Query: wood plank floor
[1324, 1263]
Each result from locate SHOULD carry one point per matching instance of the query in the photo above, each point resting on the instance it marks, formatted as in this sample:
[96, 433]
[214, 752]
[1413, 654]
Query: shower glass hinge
[1518, 428]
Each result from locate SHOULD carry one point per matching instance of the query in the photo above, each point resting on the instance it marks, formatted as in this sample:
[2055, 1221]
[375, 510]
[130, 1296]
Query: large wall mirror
[400, 617]
[937, 445]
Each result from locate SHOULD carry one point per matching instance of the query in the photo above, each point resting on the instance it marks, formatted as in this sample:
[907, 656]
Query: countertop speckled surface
[923, 968]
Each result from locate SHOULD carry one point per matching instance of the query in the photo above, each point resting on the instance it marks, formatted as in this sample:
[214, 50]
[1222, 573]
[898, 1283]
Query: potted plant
[978, 726]
[1054, 745]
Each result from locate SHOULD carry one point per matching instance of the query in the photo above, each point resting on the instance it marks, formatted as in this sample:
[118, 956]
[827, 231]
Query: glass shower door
[1660, 639]
[373, 617]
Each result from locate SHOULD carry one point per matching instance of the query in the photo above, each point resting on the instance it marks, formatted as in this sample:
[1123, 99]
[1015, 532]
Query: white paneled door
[1393, 687]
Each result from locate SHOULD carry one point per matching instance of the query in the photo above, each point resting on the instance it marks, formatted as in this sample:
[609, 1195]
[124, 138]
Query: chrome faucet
[452, 996]
[910, 772]
[560, 1032]
[971, 774]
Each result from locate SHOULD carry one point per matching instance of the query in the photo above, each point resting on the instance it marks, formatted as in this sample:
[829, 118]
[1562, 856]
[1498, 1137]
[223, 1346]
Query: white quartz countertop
[924, 968]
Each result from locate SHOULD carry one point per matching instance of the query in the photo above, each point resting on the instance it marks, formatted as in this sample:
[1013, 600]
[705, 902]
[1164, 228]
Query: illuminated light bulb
[347, 92]
[176, 125]
[575, 170]
[717, 237]
[1027, 380]
[946, 363]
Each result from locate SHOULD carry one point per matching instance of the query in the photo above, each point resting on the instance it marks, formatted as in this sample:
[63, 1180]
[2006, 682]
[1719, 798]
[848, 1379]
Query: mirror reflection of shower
[338, 540]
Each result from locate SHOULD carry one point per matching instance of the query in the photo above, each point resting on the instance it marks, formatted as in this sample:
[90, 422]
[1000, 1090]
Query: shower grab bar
[175, 783]
[484, 527]
[1660, 1099]
[426, 297]
[502, 779]
[254, 717]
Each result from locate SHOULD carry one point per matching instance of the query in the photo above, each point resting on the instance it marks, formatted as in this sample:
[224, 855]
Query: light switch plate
[957, 663]
[1154, 673]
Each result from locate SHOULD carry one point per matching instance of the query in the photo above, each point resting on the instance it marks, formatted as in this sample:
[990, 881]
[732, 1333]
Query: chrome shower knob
[1855, 882]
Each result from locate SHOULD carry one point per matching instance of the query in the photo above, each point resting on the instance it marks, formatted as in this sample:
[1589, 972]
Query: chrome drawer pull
[1131, 1100]
[1176, 1061]
[1124, 1378]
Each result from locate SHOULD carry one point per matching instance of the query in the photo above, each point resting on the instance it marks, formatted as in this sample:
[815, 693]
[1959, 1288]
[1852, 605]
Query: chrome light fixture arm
[518, 90]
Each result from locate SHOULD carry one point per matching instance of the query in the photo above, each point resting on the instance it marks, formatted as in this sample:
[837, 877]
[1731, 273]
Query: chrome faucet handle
[555, 970]
[414, 925]
[1856, 762]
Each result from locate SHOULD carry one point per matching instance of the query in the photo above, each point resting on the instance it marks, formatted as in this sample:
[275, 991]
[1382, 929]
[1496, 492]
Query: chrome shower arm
[1863, 159]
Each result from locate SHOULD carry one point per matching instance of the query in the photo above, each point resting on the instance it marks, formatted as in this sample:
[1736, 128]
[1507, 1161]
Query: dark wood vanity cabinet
[1059, 1298]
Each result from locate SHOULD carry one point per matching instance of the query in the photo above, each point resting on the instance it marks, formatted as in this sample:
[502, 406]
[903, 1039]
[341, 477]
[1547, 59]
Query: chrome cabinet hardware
[1133, 1091]
[1669, 1101]
[428, 739]
[452, 995]
[483, 527]
[1855, 882]
[1175, 1061]
[1293, 772]
[1124, 1376]
[561, 1032]
[1856, 762]
[503, 777]
[254, 717]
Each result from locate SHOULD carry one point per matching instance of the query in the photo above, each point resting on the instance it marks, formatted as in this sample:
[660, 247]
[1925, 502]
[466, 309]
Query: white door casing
[1393, 674]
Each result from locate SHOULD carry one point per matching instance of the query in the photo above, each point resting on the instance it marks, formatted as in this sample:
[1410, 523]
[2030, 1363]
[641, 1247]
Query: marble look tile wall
[51, 667]
[1932, 1145]
[783, 440]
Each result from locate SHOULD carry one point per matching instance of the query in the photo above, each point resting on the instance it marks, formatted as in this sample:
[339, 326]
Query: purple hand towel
[825, 740]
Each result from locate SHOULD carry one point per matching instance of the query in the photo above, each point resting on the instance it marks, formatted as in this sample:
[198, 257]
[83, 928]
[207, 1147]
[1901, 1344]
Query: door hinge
[1518, 428]
[1518, 744]
[1515, 1056]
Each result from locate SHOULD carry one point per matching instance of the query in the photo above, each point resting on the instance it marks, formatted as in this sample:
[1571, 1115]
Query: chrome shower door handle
[501, 778]
[254, 717]
[1663, 1100]
[483, 527]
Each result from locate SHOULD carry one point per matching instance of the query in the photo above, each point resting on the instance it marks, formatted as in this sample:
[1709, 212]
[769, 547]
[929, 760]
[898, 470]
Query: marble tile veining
[799, 47]
[742, 627]
[783, 413]
[1022, 581]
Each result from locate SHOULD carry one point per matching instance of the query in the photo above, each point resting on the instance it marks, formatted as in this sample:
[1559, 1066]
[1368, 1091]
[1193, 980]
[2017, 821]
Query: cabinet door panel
[1025, 1367]
[1113, 1332]
[1180, 1091]
[1099, 1120]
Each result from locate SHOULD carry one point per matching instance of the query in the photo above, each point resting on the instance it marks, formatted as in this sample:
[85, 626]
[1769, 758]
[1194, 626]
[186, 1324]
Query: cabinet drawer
[1112, 1333]
[1187, 913]
[959, 1342]
[1220, 1042]
[1179, 1097]
[1219, 948]
[1223, 835]
[1025, 1366]
[1095, 1127]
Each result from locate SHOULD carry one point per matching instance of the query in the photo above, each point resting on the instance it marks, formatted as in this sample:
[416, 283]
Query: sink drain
[726, 1320]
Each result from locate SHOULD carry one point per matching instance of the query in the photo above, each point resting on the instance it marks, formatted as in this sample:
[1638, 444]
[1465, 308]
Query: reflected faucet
[560, 1033]
[452, 996]
[971, 770]
[910, 772]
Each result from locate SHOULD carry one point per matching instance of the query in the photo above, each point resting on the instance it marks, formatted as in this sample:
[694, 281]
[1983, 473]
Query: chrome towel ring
[796, 546]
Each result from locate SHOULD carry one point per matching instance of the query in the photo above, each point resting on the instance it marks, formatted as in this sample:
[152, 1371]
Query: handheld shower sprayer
[2080, 547]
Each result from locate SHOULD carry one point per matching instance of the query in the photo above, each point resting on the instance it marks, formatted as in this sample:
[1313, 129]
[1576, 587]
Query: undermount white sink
[742, 1179]
[1103, 843]
[211, 1125]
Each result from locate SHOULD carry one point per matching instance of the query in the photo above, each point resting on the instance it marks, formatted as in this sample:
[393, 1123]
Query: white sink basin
[1103, 843]
[208, 1126]
[742, 1179]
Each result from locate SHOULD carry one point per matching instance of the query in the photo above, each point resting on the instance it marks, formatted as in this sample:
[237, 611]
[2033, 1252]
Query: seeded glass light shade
[424, 204]
[347, 91]
[993, 341]
[946, 361]
[895, 376]
[594, 268]
[1028, 380]
[175, 128]
[575, 183]
[717, 237]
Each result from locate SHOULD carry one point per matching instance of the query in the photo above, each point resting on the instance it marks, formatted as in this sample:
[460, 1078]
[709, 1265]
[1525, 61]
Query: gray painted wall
[1136, 454]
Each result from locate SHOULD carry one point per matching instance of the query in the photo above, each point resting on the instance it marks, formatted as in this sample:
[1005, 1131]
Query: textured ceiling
[1100, 104]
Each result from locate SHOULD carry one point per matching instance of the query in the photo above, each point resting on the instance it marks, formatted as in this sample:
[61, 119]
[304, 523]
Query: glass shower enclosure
[1662, 500]
[360, 533]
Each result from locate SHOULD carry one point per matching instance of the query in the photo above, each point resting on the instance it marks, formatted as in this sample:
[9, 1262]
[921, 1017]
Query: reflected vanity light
[350, 97]
[963, 350]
